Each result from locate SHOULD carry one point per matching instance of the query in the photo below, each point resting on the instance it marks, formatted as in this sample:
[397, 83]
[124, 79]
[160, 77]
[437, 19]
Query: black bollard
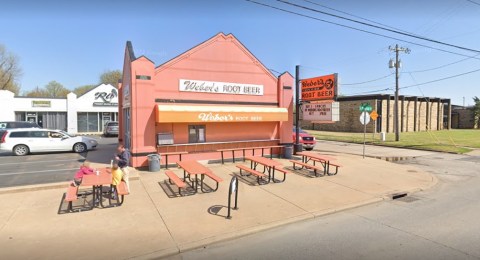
[233, 188]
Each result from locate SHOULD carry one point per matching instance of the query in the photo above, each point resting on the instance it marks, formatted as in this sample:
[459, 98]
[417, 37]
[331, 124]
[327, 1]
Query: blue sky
[74, 42]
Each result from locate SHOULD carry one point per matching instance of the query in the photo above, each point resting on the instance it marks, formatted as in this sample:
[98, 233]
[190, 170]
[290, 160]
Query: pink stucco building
[216, 95]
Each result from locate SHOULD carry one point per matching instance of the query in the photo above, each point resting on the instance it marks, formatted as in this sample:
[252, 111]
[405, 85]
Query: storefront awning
[183, 114]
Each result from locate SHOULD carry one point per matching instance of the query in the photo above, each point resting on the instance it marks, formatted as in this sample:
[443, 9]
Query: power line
[356, 16]
[473, 2]
[359, 83]
[378, 27]
[357, 29]
[441, 79]
[439, 67]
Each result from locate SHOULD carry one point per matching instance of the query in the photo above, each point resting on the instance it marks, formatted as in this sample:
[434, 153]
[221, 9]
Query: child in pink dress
[84, 170]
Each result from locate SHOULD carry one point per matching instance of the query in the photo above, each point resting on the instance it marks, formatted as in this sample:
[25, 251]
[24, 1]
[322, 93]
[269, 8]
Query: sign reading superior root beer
[320, 88]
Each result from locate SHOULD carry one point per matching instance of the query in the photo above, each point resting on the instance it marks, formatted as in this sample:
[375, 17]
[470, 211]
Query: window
[196, 134]
[52, 134]
[19, 134]
[39, 134]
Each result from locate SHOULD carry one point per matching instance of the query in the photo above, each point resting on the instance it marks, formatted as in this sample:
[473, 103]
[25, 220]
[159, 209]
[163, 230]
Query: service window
[196, 134]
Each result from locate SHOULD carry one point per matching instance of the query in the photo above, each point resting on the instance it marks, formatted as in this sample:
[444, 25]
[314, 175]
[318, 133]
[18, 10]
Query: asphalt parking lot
[44, 168]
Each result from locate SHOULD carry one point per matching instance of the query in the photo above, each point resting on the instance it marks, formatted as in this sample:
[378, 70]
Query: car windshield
[113, 124]
[300, 131]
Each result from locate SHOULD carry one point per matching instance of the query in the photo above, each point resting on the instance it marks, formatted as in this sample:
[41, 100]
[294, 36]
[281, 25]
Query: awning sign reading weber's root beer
[319, 88]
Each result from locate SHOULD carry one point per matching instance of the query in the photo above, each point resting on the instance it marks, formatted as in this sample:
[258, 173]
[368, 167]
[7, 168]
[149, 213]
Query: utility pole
[397, 65]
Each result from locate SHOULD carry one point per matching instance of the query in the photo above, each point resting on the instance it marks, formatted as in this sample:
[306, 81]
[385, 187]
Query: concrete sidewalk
[153, 222]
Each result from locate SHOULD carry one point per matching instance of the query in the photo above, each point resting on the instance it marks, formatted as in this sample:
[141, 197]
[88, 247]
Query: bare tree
[9, 71]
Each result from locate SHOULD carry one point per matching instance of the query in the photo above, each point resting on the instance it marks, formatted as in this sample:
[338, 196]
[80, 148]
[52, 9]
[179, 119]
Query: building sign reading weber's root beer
[319, 88]
[220, 87]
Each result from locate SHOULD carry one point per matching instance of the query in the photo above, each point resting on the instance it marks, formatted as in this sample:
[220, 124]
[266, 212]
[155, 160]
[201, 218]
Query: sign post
[365, 119]
[233, 188]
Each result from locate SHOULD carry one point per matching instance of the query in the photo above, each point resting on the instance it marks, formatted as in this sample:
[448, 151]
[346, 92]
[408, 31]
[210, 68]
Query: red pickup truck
[308, 141]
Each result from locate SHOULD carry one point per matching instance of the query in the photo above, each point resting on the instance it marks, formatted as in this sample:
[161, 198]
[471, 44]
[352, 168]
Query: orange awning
[184, 113]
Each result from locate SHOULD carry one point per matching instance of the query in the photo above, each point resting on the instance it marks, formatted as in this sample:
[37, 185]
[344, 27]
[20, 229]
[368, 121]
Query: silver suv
[110, 128]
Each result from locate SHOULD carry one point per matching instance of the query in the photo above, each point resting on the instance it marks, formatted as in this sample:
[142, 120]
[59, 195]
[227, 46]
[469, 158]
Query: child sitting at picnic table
[117, 176]
[84, 170]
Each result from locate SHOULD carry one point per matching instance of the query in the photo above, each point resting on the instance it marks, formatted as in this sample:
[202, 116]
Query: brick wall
[409, 121]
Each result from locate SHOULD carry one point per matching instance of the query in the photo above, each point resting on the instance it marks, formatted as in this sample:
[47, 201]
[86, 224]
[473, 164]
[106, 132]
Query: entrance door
[32, 119]
[105, 119]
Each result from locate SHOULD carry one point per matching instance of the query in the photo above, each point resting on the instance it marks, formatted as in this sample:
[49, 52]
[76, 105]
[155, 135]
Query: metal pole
[397, 134]
[364, 131]
[298, 146]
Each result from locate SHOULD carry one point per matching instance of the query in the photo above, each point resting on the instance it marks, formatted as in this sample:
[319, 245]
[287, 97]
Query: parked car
[23, 141]
[110, 128]
[16, 124]
[308, 141]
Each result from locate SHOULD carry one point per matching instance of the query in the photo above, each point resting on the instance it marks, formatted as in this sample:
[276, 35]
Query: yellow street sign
[374, 115]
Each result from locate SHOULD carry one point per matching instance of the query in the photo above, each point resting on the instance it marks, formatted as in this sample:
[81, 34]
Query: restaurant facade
[217, 95]
[85, 114]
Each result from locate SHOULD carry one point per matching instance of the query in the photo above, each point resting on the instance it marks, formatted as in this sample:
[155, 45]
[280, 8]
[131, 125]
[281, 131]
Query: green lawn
[455, 141]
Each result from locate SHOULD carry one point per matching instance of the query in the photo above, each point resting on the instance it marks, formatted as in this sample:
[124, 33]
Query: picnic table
[243, 149]
[269, 166]
[97, 181]
[325, 161]
[195, 168]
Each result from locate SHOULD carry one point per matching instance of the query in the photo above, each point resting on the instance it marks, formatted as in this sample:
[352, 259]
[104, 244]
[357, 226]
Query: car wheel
[79, 147]
[21, 150]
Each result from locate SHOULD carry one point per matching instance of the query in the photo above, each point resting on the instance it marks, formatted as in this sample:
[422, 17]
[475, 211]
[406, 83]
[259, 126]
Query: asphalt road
[440, 223]
[44, 168]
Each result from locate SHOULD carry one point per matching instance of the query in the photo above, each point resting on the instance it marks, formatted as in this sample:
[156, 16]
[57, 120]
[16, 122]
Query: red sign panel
[319, 88]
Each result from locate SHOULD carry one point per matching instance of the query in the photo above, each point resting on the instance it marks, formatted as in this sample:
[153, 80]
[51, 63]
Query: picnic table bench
[233, 150]
[174, 179]
[195, 168]
[325, 163]
[260, 176]
[71, 196]
[172, 153]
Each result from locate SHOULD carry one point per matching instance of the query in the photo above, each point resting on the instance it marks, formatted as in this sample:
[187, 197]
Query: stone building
[463, 117]
[415, 114]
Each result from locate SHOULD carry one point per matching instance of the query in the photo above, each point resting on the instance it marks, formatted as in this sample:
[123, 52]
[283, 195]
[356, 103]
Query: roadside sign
[374, 115]
[365, 107]
[364, 118]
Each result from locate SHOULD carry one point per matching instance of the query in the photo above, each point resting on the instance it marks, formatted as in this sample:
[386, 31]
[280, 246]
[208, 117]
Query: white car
[22, 141]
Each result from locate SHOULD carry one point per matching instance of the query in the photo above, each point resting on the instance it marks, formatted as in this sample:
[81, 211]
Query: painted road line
[17, 173]
[38, 162]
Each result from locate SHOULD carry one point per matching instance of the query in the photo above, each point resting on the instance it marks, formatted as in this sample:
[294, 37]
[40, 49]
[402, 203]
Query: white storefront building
[87, 113]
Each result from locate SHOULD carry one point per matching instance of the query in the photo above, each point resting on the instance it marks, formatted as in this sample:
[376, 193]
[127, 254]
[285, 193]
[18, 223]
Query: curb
[47, 186]
[253, 230]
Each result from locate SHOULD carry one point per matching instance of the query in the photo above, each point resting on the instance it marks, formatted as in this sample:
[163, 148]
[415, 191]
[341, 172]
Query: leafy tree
[56, 90]
[37, 92]
[476, 112]
[83, 89]
[9, 71]
[111, 77]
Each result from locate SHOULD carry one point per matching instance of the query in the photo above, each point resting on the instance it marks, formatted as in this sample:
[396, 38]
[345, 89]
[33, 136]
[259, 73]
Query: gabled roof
[210, 41]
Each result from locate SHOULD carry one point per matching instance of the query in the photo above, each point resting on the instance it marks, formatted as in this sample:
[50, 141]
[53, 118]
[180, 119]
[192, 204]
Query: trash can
[288, 151]
[153, 162]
